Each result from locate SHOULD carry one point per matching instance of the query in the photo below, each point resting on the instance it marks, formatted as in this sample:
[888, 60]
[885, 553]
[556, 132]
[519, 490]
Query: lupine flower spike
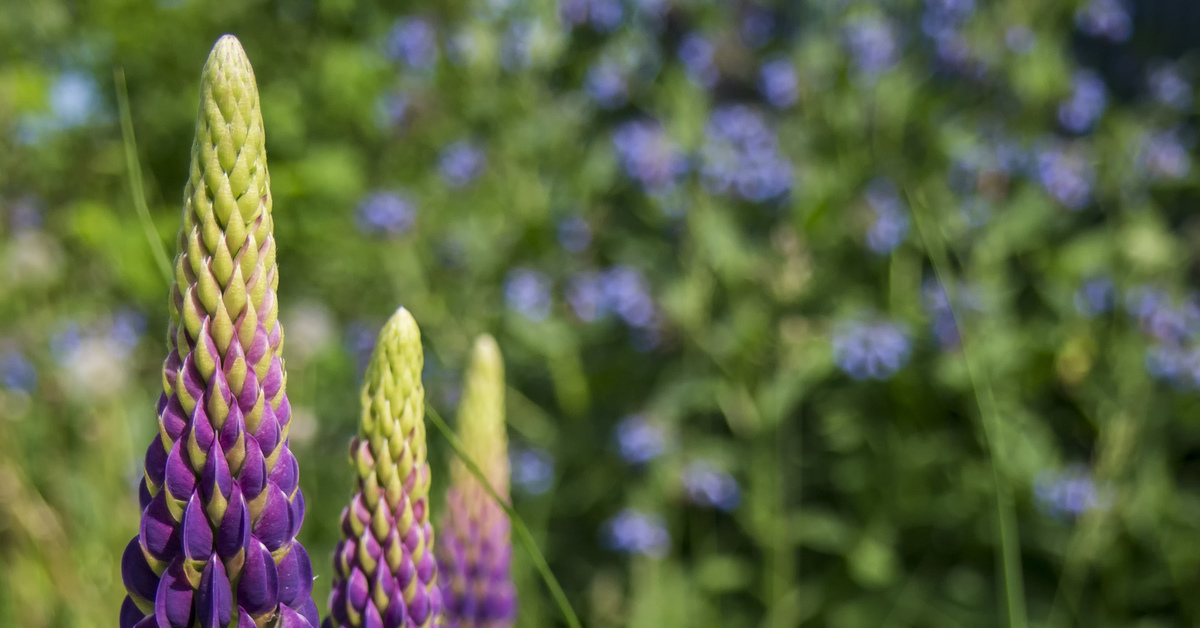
[384, 569]
[220, 501]
[475, 548]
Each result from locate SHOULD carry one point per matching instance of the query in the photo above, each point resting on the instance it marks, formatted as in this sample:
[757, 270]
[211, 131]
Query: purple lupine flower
[385, 214]
[574, 234]
[1088, 100]
[638, 440]
[573, 12]
[413, 42]
[942, 16]
[627, 293]
[741, 156]
[461, 162]
[385, 572]
[221, 503]
[585, 294]
[1067, 176]
[648, 156]
[1069, 493]
[1095, 296]
[1163, 156]
[1159, 318]
[1167, 86]
[698, 56]
[605, 84]
[605, 15]
[778, 83]
[527, 292]
[17, 372]
[1105, 19]
[889, 220]
[870, 350]
[635, 532]
[873, 45]
[706, 485]
[474, 548]
[532, 469]
[757, 27]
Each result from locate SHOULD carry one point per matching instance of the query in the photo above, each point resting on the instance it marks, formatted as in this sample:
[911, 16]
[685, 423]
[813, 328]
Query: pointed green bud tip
[398, 346]
[481, 415]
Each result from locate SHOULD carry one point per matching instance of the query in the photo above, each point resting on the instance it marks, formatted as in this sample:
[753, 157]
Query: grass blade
[134, 168]
[518, 525]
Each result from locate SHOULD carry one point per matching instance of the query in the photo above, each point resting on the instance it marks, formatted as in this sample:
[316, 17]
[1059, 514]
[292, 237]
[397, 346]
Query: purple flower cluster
[385, 214]
[873, 45]
[1105, 19]
[779, 84]
[1095, 296]
[870, 350]
[413, 42]
[574, 234]
[620, 290]
[516, 49]
[1163, 156]
[461, 162]
[1067, 176]
[1069, 493]
[532, 469]
[1168, 87]
[944, 325]
[889, 220]
[741, 156]
[1172, 328]
[708, 486]
[527, 292]
[635, 532]
[604, 15]
[648, 156]
[698, 56]
[757, 26]
[1088, 100]
[638, 440]
[942, 17]
[17, 373]
[392, 109]
[605, 84]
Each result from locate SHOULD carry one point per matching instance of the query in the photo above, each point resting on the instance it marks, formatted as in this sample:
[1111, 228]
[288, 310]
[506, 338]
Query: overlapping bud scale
[475, 548]
[220, 496]
[384, 569]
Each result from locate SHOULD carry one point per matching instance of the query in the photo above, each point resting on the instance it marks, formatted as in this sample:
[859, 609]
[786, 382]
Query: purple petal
[200, 429]
[244, 620]
[337, 604]
[159, 532]
[258, 590]
[275, 521]
[180, 480]
[130, 613]
[173, 419]
[273, 380]
[268, 433]
[143, 494]
[173, 604]
[309, 611]
[216, 475]
[214, 598]
[295, 577]
[140, 580]
[289, 618]
[286, 473]
[396, 613]
[156, 461]
[254, 471]
[426, 568]
[233, 535]
[371, 617]
[297, 507]
[418, 609]
[357, 590]
[197, 532]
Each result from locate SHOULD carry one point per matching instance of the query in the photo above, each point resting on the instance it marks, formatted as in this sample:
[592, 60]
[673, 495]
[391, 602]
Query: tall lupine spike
[474, 546]
[385, 574]
[221, 505]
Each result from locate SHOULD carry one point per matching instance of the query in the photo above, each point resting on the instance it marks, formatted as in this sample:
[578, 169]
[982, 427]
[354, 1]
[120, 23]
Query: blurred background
[814, 313]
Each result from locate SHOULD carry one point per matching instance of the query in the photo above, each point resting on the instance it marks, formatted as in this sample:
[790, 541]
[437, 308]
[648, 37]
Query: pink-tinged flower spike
[220, 500]
[475, 549]
[385, 575]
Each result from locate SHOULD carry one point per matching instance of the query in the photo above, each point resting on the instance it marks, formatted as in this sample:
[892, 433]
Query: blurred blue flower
[1163, 156]
[1095, 296]
[635, 532]
[1158, 317]
[65, 342]
[25, 215]
[360, 342]
[1168, 87]
[1105, 19]
[585, 294]
[648, 156]
[778, 83]
[741, 155]
[516, 50]
[872, 43]
[461, 162]
[605, 84]
[127, 328]
[627, 293]
[392, 109]
[17, 372]
[1019, 39]
[870, 350]
[758, 24]
[605, 15]
[1173, 364]
[74, 98]
[937, 304]
[638, 440]
[699, 60]
[527, 292]
[573, 12]
[574, 234]
[709, 486]
[889, 225]
[532, 469]
[385, 214]
[1067, 176]
[941, 16]
[1088, 100]
[412, 41]
[1069, 493]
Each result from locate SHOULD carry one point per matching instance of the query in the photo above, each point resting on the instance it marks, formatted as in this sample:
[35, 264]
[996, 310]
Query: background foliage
[703, 234]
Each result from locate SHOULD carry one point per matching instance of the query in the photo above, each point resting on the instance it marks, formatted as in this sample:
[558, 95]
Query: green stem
[134, 167]
[522, 530]
[1010, 544]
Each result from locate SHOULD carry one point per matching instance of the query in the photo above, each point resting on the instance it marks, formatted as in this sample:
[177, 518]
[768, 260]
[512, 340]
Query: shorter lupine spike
[384, 571]
[474, 547]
